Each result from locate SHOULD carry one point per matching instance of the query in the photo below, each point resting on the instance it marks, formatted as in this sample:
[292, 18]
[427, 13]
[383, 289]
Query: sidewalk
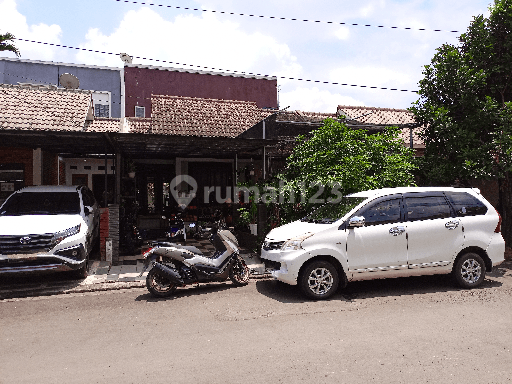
[101, 272]
[104, 277]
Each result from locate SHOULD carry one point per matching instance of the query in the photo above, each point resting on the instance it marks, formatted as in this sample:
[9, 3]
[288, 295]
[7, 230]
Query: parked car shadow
[36, 284]
[360, 290]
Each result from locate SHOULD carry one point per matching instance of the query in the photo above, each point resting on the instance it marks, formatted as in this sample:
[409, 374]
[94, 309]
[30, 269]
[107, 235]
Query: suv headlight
[59, 236]
[295, 242]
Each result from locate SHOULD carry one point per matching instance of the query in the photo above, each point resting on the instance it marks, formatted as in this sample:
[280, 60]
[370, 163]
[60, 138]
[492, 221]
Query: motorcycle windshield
[218, 243]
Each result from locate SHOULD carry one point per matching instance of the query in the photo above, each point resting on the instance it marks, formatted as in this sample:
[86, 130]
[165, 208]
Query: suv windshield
[330, 212]
[41, 203]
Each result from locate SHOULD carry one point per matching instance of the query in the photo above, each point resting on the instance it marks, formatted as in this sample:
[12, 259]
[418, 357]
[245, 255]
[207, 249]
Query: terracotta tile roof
[43, 108]
[103, 124]
[377, 116]
[187, 116]
[139, 124]
[303, 117]
[384, 117]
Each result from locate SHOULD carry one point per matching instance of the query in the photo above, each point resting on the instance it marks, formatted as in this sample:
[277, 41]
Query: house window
[101, 102]
[101, 110]
[140, 111]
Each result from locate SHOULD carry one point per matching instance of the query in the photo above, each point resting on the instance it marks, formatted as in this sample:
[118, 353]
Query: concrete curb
[104, 277]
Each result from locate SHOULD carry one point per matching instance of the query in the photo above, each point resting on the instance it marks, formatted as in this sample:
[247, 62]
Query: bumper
[496, 249]
[284, 266]
[62, 260]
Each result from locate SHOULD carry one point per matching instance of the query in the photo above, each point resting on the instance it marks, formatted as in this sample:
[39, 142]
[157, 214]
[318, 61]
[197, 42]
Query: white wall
[82, 168]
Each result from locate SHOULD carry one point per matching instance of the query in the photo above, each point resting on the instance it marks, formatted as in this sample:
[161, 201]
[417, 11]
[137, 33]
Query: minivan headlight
[61, 235]
[295, 242]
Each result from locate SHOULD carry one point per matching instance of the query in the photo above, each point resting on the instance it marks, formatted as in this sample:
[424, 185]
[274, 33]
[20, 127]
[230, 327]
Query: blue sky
[323, 52]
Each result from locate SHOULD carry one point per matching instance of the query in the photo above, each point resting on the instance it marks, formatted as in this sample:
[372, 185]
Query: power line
[281, 18]
[226, 71]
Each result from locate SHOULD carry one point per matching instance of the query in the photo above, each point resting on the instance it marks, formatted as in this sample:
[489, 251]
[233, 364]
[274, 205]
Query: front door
[379, 249]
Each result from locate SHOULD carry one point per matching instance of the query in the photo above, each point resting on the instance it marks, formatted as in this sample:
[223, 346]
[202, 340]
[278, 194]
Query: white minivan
[390, 232]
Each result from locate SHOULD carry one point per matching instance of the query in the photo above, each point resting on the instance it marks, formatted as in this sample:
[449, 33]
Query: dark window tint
[42, 203]
[382, 213]
[427, 208]
[466, 205]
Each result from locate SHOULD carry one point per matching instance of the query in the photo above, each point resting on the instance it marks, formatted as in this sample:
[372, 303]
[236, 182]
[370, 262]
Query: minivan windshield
[331, 212]
[41, 203]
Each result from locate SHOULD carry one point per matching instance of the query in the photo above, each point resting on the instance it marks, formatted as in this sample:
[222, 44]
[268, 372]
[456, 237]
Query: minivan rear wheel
[469, 271]
[319, 280]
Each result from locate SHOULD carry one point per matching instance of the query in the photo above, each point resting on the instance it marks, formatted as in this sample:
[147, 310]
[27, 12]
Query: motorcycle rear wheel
[239, 273]
[158, 285]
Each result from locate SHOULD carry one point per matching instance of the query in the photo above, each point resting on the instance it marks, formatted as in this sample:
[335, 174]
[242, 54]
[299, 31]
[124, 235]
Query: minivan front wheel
[319, 280]
[469, 270]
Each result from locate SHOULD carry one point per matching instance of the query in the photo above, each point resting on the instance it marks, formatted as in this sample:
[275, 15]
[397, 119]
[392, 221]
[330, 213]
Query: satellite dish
[69, 81]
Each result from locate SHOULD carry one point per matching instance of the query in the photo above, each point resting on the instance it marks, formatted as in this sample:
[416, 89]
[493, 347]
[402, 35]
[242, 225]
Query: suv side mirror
[87, 210]
[356, 221]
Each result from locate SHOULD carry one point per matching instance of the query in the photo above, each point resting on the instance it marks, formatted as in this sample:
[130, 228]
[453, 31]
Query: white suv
[48, 228]
[385, 233]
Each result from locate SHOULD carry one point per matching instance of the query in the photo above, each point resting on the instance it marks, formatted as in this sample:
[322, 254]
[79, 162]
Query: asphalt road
[414, 330]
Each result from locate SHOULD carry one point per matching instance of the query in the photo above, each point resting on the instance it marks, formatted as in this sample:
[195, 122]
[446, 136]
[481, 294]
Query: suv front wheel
[319, 280]
[469, 271]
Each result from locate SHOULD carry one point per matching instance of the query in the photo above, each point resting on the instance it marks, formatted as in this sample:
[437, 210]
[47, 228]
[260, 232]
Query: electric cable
[280, 18]
[223, 71]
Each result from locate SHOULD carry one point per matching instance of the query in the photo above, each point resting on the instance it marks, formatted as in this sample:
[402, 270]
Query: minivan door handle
[452, 224]
[395, 231]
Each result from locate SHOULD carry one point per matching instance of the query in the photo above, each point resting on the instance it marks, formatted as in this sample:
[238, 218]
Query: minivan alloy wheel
[319, 280]
[469, 270]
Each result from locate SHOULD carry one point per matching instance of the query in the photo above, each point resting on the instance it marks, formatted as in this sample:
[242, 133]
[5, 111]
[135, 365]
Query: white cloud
[14, 22]
[342, 33]
[314, 100]
[189, 41]
[368, 75]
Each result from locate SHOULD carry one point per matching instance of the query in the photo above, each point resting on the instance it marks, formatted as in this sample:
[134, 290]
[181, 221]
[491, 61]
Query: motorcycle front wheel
[158, 285]
[239, 273]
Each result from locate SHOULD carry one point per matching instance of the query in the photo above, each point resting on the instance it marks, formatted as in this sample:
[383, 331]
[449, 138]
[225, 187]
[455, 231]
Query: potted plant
[130, 169]
[248, 217]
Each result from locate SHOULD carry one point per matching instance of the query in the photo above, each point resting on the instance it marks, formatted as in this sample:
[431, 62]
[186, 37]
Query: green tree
[6, 43]
[466, 105]
[337, 160]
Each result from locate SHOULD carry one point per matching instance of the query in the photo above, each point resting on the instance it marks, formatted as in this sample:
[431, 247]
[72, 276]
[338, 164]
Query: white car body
[401, 247]
[49, 241]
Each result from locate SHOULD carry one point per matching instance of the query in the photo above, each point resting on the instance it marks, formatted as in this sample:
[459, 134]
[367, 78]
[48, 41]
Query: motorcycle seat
[191, 248]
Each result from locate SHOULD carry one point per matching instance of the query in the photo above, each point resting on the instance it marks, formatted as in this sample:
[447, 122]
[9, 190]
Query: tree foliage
[6, 43]
[466, 105]
[337, 160]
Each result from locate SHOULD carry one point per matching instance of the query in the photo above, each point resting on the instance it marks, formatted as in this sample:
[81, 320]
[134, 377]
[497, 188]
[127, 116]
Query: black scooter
[176, 265]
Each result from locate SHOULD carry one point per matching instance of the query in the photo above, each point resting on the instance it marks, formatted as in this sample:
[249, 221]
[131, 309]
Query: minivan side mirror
[87, 210]
[356, 221]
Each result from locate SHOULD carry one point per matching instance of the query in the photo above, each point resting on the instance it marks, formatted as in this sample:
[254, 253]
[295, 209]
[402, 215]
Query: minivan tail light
[498, 227]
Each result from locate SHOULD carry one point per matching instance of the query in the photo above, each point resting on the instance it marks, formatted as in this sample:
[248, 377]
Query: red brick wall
[19, 155]
[49, 169]
[62, 173]
[104, 232]
[141, 83]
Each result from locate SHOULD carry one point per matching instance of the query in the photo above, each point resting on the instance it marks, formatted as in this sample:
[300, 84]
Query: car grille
[272, 246]
[25, 244]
